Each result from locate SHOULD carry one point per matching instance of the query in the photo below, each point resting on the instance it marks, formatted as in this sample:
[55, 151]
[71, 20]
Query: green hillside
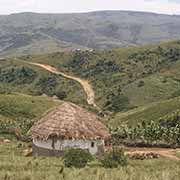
[19, 111]
[123, 78]
[18, 77]
[133, 84]
[146, 113]
[24, 106]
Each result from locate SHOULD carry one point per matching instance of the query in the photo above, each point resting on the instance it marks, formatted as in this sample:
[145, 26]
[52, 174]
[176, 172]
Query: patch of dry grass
[13, 166]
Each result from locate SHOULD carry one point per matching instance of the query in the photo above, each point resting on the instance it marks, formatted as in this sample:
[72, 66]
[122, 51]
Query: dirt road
[169, 153]
[165, 152]
[84, 83]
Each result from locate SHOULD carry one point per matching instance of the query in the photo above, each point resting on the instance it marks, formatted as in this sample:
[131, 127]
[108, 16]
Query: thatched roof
[69, 121]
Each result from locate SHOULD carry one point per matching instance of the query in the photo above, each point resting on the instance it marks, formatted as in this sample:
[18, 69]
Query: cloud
[17, 3]
[11, 6]
[164, 1]
[177, 1]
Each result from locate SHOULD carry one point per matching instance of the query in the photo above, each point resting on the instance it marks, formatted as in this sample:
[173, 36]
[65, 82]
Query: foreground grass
[14, 166]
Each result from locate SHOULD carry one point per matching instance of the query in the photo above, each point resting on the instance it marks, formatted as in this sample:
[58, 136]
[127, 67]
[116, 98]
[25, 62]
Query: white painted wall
[63, 144]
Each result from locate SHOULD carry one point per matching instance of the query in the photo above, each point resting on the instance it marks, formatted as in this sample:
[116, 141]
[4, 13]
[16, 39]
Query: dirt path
[169, 153]
[85, 84]
[165, 152]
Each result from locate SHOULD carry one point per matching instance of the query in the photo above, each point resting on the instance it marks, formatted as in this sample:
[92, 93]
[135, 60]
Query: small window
[92, 144]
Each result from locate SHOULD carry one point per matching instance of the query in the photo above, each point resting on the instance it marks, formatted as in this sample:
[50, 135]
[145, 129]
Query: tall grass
[14, 166]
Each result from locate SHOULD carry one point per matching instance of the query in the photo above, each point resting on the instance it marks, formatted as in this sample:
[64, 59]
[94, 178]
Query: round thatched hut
[68, 126]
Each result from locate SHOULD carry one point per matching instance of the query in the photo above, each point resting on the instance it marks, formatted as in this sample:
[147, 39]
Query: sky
[69, 6]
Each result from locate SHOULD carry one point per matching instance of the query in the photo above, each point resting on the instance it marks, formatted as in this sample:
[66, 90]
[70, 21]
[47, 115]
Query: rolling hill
[123, 79]
[28, 33]
[150, 112]
[135, 76]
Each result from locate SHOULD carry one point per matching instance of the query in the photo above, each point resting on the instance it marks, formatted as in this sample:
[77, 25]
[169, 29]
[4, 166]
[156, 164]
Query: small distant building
[68, 126]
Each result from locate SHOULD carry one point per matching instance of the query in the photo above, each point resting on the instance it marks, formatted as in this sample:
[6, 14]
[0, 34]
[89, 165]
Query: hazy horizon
[171, 7]
[106, 10]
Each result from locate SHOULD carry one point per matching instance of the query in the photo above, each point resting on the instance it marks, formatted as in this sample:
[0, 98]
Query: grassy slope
[159, 86]
[152, 111]
[122, 69]
[117, 71]
[43, 83]
[13, 106]
[15, 166]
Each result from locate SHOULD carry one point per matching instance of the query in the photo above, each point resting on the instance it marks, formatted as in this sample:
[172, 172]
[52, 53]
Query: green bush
[76, 158]
[141, 83]
[114, 158]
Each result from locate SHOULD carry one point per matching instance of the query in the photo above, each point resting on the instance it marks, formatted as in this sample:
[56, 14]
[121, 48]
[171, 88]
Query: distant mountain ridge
[29, 33]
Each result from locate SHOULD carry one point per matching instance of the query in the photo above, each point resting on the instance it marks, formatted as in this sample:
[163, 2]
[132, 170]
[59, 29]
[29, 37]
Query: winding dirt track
[169, 153]
[85, 84]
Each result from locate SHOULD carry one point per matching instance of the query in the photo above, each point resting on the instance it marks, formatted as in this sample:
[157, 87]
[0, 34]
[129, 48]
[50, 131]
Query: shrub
[76, 158]
[141, 83]
[61, 94]
[114, 158]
